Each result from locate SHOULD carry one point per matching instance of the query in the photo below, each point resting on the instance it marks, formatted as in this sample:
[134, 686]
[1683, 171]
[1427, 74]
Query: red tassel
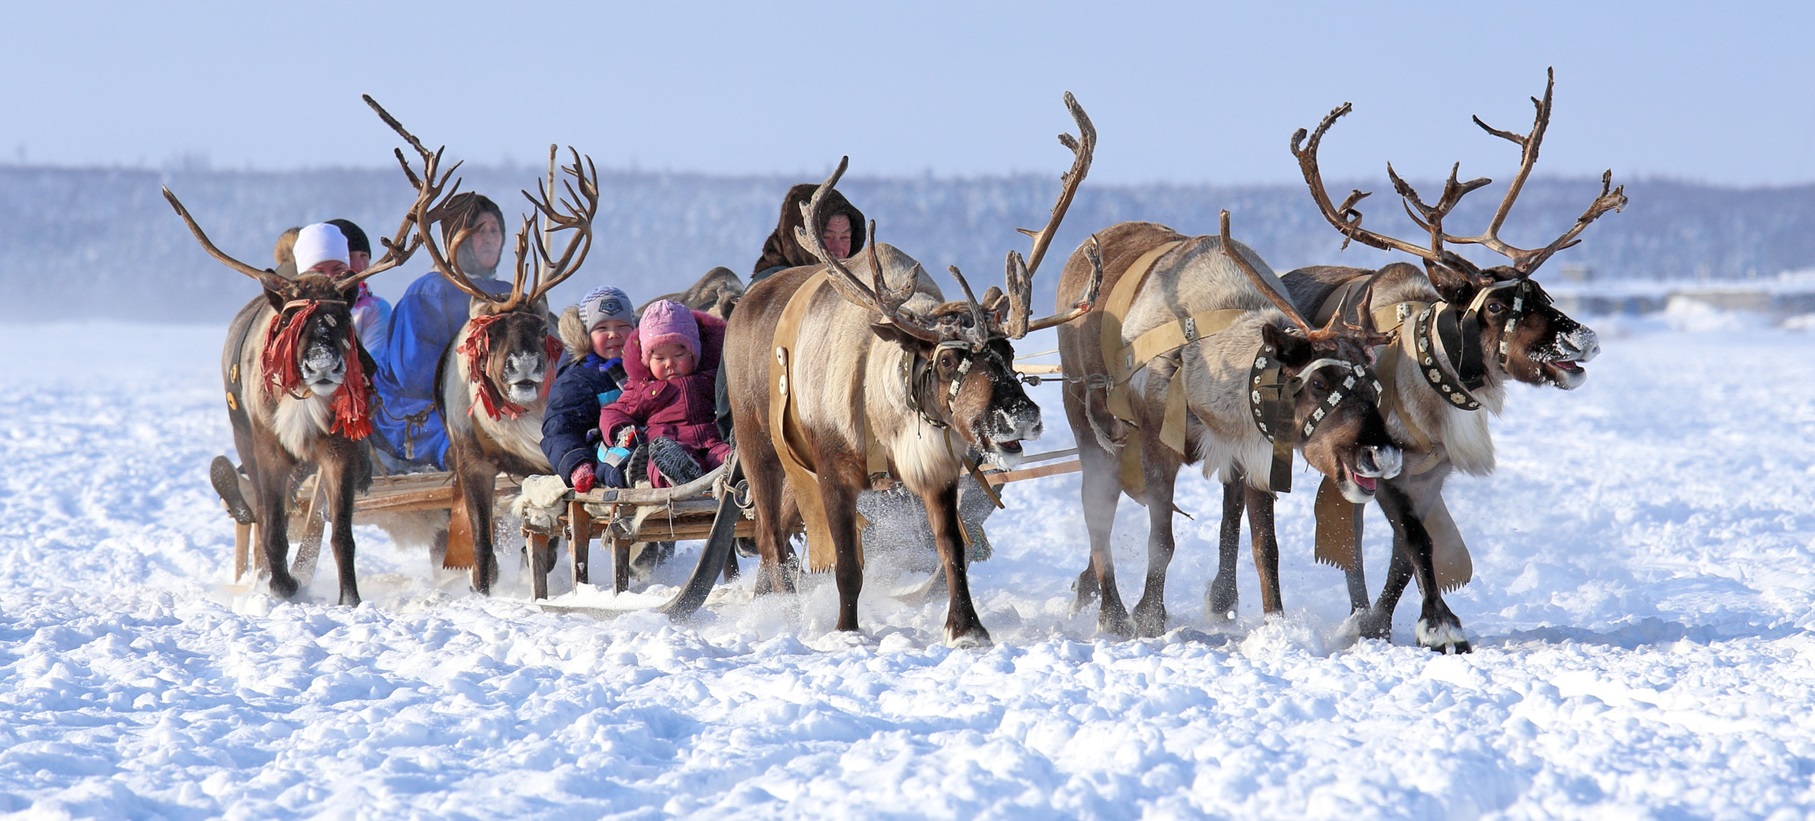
[352, 404]
[279, 358]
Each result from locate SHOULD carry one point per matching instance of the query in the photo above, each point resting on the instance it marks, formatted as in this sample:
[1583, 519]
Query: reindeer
[493, 378]
[1193, 361]
[311, 394]
[1461, 333]
[888, 373]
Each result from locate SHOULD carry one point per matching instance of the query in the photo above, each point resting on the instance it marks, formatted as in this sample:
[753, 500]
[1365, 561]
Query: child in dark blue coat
[585, 385]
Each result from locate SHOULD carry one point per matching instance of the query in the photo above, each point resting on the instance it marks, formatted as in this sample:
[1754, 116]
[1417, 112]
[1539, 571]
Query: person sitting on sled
[672, 361]
[591, 378]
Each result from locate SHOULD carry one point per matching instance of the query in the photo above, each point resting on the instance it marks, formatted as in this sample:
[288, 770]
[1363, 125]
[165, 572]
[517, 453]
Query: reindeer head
[509, 354]
[312, 338]
[962, 372]
[1331, 398]
[1500, 316]
[1315, 390]
[311, 346]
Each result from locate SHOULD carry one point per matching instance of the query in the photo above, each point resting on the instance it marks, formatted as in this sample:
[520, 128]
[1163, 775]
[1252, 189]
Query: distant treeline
[102, 243]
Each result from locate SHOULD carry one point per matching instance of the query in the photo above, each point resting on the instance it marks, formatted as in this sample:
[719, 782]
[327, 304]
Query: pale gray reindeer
[1461, 333]
[880, 372]
[1197, 357]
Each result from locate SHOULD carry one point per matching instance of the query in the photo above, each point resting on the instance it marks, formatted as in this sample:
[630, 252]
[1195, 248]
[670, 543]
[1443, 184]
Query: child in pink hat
[671, 361]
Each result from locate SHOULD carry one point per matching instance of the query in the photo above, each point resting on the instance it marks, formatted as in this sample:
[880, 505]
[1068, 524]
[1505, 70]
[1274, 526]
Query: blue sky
[1186, 93]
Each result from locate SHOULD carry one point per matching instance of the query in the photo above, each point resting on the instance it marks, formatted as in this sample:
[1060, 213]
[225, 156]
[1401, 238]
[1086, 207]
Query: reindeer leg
[1221, 598]
[840, 497]
[1266, 547]
[1162, 473]
[1377, 620]
[767, 492]
[1438, 628]
[476, 483]
[337, 475]
[962, 626]
[271, 481]
[1102, 492]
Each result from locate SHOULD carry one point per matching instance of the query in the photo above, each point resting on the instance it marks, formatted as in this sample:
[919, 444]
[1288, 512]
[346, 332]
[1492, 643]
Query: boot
[674, 461]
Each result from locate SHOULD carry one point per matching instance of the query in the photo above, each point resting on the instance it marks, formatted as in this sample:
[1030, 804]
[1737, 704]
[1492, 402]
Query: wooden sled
[621, 517]
[388, 494]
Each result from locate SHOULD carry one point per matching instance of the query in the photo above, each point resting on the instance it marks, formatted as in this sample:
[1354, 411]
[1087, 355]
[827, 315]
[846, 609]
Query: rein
[352, 401]
[476, 353]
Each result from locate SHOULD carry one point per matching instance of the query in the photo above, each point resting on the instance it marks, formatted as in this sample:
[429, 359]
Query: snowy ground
[1642, 616]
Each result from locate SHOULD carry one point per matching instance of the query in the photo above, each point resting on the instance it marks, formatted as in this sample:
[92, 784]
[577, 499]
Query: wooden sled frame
[402, 493]
[621, 517]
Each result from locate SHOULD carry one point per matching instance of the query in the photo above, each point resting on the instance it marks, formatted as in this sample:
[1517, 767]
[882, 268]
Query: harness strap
[1339, 298]
[1434, 344]
[791, 439]
[1118, 358]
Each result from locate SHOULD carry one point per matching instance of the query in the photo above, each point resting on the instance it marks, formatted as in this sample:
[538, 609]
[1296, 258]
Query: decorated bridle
[1272, 397]
[476, 352]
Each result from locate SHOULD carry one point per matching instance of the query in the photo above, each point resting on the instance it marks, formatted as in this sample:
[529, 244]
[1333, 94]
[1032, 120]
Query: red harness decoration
[351, 403]
[477, 351]
[279, 358]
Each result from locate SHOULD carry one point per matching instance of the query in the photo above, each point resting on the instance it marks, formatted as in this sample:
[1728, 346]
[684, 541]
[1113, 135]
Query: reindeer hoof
[1220, 606]
[974, 638]
[1115, 624]
[1149, 621]
[284, 587]
[225, 478]
[1442, 637]
[349, 598]
[1373, 624]
[1086, 588]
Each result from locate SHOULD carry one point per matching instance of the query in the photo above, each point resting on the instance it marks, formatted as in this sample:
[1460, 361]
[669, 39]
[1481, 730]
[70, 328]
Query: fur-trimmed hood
[781, 251]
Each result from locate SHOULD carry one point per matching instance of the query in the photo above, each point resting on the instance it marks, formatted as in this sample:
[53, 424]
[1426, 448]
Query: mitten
[583, 478]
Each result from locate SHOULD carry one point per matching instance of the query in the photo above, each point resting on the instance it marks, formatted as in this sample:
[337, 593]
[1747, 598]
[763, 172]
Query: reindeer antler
[268, 278]
[435, 203]
[1268, 285]
[875, 295]
[575, 213]
[1020, 273]
[1430, 217]
[1524, 261]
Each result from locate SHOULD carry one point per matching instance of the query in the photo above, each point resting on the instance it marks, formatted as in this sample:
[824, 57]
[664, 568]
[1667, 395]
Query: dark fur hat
[782, 251]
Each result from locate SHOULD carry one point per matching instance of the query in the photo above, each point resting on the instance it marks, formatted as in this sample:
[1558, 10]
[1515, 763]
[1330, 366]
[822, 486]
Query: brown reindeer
[1200, 358]
[880, 372]
[1461, 333]
[494, 376]
[294, 368]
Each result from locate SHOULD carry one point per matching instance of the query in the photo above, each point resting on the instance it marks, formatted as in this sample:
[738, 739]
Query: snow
[1641, 616]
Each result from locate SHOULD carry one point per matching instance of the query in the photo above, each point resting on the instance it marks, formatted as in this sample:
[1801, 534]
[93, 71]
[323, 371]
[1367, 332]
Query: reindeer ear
[891, 332]
[276, 299]
[1288, 347]
[1452, 285]
[350, 293]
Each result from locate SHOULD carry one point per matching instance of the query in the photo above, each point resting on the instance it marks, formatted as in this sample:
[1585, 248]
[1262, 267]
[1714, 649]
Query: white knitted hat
[319, 243]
